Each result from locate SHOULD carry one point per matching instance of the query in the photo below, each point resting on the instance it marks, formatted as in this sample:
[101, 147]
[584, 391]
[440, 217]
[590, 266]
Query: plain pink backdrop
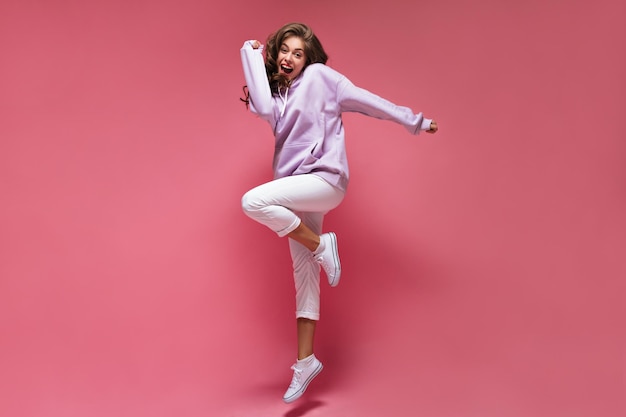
[483, 266]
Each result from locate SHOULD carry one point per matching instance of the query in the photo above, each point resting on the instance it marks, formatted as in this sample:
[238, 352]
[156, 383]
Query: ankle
[319, 247]
[306, 361]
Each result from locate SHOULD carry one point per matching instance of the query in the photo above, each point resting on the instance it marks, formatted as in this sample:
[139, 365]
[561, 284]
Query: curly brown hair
[313, 51]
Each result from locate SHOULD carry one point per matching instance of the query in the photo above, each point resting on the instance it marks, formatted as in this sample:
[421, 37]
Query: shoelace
[295, 381]
[325, 262]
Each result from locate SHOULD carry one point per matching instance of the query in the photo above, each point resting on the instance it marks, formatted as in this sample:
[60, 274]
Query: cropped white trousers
[281, 205]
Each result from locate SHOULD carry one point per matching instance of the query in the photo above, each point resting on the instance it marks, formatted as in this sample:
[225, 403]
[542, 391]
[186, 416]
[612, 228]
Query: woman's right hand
[256, 44]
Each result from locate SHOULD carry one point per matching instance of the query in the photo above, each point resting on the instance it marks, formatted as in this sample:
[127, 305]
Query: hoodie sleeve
[256, 80]
[355, 99]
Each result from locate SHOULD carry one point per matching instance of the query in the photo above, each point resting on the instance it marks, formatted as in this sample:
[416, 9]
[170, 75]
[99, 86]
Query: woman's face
[291, 58]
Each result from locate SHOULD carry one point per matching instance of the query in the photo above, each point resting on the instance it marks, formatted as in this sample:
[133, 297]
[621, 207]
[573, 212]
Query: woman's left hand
[433, 127]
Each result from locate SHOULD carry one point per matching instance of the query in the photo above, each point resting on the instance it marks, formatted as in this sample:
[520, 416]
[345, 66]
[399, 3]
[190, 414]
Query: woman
[302, 99]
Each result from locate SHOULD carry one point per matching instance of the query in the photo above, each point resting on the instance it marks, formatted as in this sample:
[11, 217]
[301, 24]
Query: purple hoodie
[306, 117]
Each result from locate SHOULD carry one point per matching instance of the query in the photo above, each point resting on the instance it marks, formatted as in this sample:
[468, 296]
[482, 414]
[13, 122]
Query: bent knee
[246, 203]
[250, 203]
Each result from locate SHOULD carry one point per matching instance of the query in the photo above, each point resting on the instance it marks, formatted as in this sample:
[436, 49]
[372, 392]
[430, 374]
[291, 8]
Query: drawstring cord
[284, 100]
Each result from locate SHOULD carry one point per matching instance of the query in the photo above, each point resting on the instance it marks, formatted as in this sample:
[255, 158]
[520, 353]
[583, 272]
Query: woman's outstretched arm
[355, 99]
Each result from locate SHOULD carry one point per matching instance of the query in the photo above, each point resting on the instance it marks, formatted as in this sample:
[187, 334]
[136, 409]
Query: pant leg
[274, 203]
[306, 271]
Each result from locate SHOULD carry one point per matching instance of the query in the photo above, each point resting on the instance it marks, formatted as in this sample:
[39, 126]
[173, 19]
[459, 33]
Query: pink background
[483, 267]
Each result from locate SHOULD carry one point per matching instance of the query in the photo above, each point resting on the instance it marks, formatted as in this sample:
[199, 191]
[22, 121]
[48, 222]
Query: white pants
[281, 205]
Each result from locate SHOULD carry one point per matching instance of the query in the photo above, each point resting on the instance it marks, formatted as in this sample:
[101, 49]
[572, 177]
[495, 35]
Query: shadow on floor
[304, 408]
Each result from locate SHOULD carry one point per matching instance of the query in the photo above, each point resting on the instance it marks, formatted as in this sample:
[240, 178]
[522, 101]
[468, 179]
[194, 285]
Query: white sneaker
[329, 258]
[301, 379]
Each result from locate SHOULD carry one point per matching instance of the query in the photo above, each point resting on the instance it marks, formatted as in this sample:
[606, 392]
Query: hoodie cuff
[426, 123]
[248, 45]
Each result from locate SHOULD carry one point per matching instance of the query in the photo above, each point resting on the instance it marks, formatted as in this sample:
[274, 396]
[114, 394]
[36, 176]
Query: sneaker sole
[299, 393]
[333, 239]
